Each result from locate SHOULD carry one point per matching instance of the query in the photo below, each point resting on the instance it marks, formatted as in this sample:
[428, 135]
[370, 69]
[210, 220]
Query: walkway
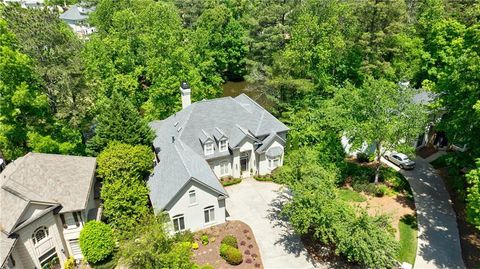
[258, 204]
[438, 239]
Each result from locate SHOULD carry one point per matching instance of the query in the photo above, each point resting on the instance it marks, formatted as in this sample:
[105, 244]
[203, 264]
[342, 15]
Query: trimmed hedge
[230, 254]
[230, 240]
[96, 241]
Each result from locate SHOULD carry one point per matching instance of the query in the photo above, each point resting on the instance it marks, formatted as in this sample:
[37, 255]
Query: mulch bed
[469, 235]
[210, 254]
[426, 152]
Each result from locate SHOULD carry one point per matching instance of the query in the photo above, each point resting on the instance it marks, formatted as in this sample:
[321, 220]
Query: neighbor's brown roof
[44, 178]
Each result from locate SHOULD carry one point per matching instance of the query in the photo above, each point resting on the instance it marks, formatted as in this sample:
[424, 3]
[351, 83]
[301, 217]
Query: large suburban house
[76, 17]
[205, 141]
[45, 200]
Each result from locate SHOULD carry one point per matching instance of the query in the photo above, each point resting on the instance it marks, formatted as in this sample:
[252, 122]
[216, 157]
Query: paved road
[258, 205]
[438, 239]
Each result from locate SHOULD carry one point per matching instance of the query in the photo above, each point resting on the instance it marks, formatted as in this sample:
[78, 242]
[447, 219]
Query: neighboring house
[203, 142]
[76, 17]
[45, 200]
[27, 3]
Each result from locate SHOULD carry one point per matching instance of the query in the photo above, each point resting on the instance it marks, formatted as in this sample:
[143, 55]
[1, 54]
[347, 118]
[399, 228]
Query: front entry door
[244, 164]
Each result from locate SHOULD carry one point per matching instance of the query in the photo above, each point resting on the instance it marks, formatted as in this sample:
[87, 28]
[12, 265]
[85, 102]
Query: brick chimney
[185, 90]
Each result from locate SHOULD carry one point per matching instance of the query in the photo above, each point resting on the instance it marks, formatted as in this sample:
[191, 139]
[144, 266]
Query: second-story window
[39, 235]
[208, 148]
[223, 145]
[193, 197]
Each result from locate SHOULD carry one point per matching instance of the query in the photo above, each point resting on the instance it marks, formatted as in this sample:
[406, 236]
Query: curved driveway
[258, 204]
[438, 239]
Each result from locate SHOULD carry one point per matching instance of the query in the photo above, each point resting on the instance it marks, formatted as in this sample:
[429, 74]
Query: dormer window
[223, 145]
[208, 148]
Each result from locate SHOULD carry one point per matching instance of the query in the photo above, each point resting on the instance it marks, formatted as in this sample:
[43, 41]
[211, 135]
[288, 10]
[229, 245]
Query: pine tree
[118, 120]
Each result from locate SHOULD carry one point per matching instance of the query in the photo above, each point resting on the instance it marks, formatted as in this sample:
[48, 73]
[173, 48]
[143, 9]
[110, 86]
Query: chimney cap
[184, 85]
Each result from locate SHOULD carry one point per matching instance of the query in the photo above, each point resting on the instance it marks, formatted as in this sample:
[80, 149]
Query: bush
[231, 254]
[195, 245]
[267, 177]
[368, 188]
[69, 263]
[230, 240]
[364, 157]
[96, 241]
[204, 239]
[381, 190]
[229, 181]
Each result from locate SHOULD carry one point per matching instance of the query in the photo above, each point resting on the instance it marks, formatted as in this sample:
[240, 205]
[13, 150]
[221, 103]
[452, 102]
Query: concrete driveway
[258, 204]
[438, 239]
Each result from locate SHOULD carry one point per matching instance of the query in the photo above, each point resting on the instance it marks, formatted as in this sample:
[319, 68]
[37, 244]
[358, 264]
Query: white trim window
[192, 197]
[208, 148]
[178, 223]
[209, 213]
[274, 162]
[39, 235]
[224, 168]
[223, 145]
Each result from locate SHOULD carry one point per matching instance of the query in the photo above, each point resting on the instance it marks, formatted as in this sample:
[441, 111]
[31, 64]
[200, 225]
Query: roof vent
[179, 129]
[173, 139]
[175, 124]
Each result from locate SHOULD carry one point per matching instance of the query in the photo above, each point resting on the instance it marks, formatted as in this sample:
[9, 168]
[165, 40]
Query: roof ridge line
[183, 161]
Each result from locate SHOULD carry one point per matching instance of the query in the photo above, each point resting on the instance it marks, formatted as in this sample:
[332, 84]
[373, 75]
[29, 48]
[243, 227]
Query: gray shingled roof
[76, 13]
[178, 165]
[274, 152]
[44, 178]
[6, 245]
[235, 118]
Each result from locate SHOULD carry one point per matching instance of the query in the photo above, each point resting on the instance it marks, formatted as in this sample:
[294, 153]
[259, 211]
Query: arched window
[39, 234]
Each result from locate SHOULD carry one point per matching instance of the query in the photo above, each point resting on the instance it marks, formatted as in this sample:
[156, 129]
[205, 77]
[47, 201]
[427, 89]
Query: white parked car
[400, 159]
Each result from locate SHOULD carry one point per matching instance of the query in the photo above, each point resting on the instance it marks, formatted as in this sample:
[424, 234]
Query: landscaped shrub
[69, 263]
[246, 252]
[364, 157]
[230, 240]
[204, 239]
[96, 241]
[195, 245]
[248, 260]
[243, 243]
[228, 181]
[231, 254]
[381, 190]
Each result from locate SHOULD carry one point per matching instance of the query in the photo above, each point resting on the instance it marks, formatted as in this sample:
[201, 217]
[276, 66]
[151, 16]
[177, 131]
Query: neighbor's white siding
[29, 253]
[193, 213]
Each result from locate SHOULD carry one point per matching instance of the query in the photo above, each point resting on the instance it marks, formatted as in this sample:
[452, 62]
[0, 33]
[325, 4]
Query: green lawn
[408, 239]
[351, 196]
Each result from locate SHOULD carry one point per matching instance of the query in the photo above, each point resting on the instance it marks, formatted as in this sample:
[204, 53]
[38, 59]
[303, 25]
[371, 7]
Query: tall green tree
[55, 51]
[150, 246]
[118, 120]
[316, 211]
[123, 169]
[142, 51]
[473, 196]
[379, 113]
[26, 120]
[224, 39]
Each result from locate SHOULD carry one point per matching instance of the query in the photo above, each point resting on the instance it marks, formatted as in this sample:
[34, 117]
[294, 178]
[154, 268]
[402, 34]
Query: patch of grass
[351, 196]
[408, 239]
